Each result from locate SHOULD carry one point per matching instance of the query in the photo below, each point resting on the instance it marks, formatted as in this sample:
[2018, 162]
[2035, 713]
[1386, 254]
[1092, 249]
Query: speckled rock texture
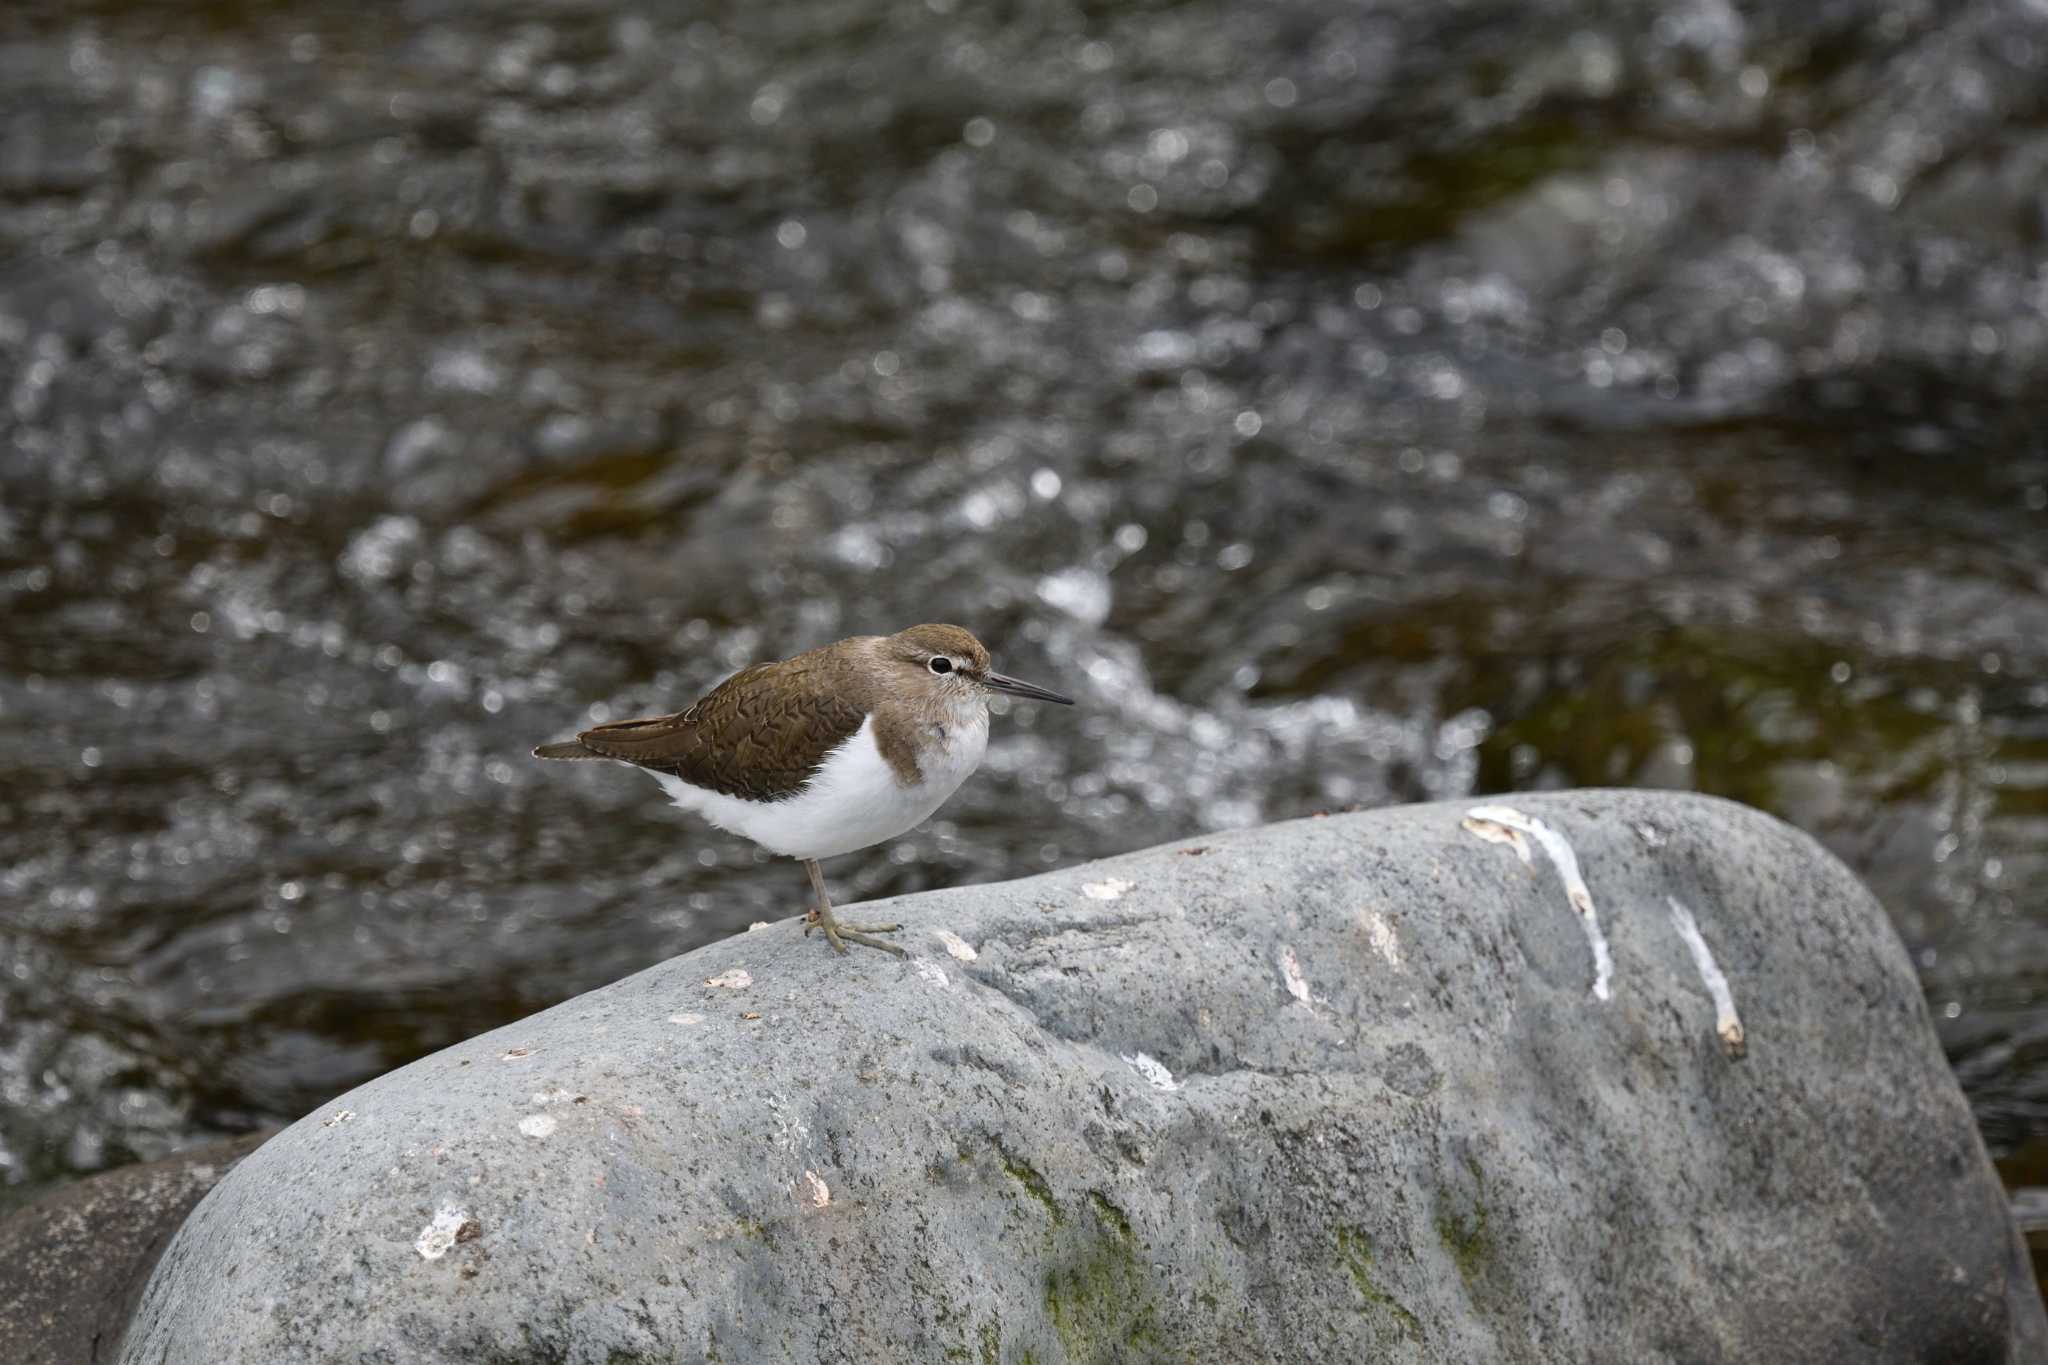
[73, 1264]
[1340, 1089]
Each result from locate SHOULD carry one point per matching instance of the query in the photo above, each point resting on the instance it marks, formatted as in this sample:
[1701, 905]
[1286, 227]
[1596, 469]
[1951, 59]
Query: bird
[826, 752]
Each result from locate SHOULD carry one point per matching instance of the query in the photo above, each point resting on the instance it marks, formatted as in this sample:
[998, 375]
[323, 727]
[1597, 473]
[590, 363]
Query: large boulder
[1599, 1076]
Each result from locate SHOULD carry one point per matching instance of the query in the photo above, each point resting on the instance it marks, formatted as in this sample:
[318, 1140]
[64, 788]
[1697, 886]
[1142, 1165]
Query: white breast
[856, 799]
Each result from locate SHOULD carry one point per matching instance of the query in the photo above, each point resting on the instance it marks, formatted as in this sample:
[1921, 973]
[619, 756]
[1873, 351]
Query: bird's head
[950, 661]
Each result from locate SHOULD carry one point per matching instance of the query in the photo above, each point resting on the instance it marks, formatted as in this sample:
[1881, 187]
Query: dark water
[1350, 403]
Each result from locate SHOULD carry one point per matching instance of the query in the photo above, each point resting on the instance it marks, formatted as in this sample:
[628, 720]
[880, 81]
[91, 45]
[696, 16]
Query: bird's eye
[941, 664]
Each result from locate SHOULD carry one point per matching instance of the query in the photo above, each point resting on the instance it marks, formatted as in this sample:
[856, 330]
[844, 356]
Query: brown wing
[759, 735]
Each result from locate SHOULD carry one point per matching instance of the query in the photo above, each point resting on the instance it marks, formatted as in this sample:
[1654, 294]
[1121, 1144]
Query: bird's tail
[568, 748]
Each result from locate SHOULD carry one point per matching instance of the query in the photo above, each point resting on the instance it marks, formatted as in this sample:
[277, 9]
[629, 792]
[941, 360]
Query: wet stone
[1224, 1116]
[73, 1264]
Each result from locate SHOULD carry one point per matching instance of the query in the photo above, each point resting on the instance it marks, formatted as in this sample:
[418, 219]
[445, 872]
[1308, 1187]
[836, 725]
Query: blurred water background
[1351, 403]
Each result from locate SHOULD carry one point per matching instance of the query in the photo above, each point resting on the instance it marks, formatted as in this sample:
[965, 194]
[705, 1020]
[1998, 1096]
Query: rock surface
[1331, 1090]
[73, 1264]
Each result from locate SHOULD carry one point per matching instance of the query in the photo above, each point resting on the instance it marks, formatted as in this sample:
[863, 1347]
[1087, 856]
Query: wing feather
[760, 735]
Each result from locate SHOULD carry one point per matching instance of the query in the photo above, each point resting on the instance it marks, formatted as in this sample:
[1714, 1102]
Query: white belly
[855, 800]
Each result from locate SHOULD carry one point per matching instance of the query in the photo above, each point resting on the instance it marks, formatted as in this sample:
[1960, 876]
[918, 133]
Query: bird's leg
[834, 930]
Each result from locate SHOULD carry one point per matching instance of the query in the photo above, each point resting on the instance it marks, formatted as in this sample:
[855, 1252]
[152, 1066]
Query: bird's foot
[851, 933]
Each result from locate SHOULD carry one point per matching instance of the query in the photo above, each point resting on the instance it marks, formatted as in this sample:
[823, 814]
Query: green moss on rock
[1354, 1253]
[1025, 1174]
[1100, 1296]
[1466, 1238]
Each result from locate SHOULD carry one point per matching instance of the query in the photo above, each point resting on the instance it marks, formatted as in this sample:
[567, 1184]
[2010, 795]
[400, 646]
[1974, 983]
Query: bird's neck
[912, 730]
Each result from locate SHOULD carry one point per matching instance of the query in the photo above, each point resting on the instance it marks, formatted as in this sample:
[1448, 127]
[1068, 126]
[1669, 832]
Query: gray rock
[1331, 1090]
[73, 1264]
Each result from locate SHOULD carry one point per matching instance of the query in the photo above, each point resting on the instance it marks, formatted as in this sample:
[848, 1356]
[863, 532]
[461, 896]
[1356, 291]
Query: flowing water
[1351, 404]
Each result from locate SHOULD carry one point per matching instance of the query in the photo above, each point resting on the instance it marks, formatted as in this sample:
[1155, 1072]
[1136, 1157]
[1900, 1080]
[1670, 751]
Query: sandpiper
[836, 749]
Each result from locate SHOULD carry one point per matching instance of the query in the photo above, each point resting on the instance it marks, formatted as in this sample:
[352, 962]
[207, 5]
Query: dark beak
[1018, 688]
